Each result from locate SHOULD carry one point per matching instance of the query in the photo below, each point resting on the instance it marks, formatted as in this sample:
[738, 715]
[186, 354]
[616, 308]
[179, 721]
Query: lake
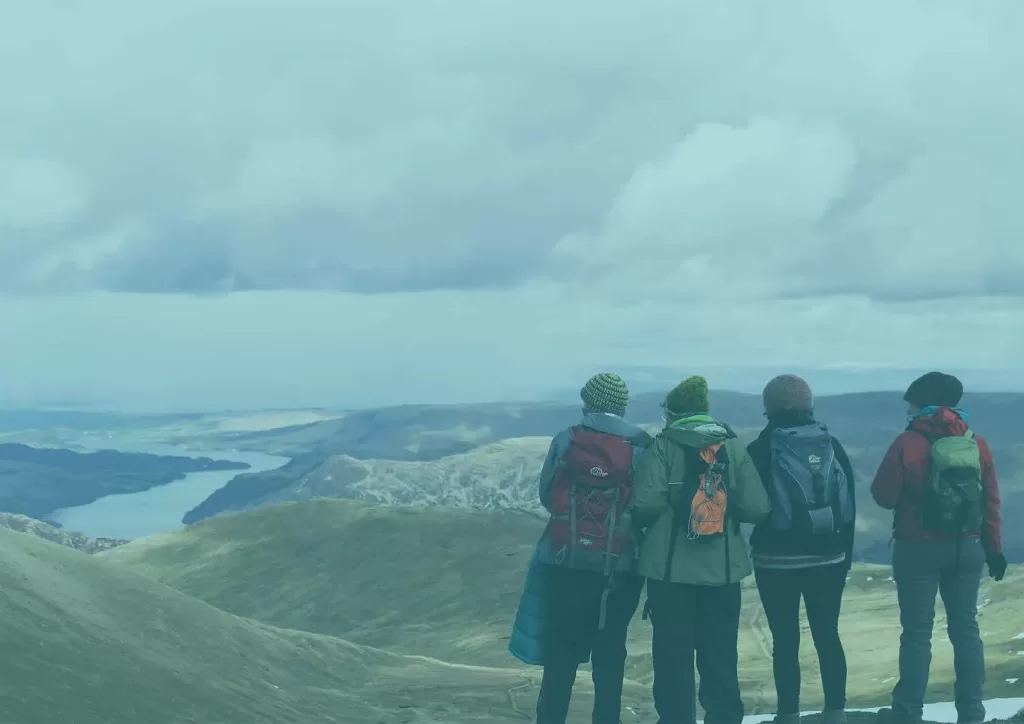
[135, 515]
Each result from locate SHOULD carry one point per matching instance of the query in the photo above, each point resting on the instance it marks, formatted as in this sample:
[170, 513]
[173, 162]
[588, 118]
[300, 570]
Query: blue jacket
[526, 642]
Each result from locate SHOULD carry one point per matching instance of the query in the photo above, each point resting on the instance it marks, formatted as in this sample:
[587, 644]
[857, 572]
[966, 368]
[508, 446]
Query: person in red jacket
[926, 562]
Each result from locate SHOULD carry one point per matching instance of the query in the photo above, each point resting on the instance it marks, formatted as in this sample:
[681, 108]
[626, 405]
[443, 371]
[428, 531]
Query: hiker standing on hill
[694, 487]
[805, 547]
[940, 479]
[588, 552]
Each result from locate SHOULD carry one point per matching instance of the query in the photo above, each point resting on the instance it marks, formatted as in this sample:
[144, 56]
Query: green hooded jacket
[713, 560]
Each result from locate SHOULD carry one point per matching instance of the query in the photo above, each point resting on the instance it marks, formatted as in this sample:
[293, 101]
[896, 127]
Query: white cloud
[38, 192]
[654, 170]
[395, 145]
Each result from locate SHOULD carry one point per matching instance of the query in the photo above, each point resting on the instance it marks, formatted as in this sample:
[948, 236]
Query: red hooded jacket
[900, 480]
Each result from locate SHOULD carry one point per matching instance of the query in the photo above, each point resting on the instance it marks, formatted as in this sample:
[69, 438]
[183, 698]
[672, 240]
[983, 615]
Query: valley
[374, 577]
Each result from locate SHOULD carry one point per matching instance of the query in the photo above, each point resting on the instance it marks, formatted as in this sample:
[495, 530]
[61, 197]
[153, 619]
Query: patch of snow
[943, 712]
[870, 578]
[1012, 681]
[890, 578]
[1019, 637]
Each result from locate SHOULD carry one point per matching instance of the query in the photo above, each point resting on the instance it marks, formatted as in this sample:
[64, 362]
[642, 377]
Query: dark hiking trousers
[701, 620]
[821, 588]
[954, 571]
[571, 637]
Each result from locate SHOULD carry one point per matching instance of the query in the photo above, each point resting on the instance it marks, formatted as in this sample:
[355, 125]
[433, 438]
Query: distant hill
[75, 541]
[499, 475]
[37, 481]
[445, 582]
[88, 642]
[426, 432]
[504, 475]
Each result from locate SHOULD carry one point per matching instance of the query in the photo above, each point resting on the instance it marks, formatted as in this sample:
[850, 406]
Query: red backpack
[590, 492]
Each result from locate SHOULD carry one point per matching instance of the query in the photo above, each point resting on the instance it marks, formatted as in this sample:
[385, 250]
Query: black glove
[996, 565]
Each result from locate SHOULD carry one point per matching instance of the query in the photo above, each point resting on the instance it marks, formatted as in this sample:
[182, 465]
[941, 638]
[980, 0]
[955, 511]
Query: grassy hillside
[88, 642]
[445, 582]
[438, 583]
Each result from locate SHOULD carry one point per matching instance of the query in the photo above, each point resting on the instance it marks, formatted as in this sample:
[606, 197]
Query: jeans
[701, 620]
[954, 571]
[821, 588]
[571, 637]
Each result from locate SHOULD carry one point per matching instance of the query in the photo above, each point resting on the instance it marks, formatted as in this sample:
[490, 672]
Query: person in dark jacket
[788, 566]
[586, 614]
[925, 562]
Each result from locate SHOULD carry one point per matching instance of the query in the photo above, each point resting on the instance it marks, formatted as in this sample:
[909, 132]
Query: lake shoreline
[160, 508]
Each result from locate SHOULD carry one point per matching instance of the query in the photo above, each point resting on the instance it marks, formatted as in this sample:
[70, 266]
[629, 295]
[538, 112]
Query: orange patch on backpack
[707, 509]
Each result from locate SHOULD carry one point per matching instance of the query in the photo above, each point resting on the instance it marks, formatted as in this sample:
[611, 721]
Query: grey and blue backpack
[810, 495]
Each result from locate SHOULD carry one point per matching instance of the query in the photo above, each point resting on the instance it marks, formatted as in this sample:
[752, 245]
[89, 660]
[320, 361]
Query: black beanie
[935, 388]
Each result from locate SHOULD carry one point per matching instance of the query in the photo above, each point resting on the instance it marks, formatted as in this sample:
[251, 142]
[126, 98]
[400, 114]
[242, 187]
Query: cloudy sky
[247, 203]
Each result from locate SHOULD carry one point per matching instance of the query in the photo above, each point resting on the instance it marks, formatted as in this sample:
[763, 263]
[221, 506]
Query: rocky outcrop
[77, 541]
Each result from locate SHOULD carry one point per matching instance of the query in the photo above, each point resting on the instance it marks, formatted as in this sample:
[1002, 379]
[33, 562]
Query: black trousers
[571, 637]
[701, 620]
[822, 590]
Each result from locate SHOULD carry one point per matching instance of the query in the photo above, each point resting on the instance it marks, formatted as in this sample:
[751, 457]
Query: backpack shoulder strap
[930, 438]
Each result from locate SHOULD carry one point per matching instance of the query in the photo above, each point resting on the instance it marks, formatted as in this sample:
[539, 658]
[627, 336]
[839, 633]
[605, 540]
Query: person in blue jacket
[582, 589]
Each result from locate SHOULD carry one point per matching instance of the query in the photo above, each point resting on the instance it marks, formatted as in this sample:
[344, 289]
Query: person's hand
[997, 566]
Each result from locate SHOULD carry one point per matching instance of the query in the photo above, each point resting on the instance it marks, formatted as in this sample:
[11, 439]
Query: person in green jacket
[694, 486]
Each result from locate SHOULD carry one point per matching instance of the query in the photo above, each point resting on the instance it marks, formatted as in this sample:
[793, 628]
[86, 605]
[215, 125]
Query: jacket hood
[801, 419]
[942, 422]
[697, 431]
[614, 425]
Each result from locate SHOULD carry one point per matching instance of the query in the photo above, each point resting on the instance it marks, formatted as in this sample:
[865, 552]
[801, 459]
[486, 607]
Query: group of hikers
[627, 508]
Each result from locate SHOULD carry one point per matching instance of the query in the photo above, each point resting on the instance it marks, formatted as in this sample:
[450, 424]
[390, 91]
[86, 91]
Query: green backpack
[952, 501]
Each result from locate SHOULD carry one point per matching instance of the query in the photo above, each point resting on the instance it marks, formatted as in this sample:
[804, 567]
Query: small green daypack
[952, 500]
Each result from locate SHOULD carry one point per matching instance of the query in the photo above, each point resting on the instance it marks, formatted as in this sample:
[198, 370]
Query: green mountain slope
[445, 582]
[437, 582]
[88, 642]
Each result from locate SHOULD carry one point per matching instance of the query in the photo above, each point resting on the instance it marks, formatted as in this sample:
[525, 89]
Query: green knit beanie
[605, 392]
[689, 397]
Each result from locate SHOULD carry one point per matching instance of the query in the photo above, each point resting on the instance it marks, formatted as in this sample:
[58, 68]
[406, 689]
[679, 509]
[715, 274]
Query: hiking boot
[888, 716]
[833, 716]
[787, 719]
